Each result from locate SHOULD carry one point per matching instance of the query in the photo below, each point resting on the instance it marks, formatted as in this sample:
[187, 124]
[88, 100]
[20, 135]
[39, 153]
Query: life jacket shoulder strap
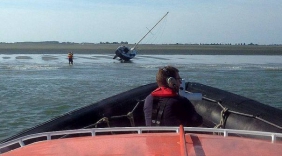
[159, 105]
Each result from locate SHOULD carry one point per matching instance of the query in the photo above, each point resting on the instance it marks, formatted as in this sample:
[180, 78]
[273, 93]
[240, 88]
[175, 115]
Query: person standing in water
[70, 56]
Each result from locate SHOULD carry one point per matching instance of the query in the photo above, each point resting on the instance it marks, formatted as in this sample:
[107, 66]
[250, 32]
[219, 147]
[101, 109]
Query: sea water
[37, 87]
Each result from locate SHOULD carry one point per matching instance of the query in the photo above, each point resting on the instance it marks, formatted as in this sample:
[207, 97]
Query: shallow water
[38, 87]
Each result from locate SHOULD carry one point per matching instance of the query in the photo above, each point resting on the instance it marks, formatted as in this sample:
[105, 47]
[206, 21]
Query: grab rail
[19, 142]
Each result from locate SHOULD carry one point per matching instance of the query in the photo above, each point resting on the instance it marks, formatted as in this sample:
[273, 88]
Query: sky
[188, 21]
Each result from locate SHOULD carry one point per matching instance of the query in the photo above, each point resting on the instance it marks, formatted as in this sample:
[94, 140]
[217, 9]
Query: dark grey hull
[126, 109]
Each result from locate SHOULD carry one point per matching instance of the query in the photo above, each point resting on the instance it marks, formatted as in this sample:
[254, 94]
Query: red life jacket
[164, 92]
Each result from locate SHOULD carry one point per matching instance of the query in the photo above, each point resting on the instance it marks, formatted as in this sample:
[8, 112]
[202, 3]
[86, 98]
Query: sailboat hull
[124, 53]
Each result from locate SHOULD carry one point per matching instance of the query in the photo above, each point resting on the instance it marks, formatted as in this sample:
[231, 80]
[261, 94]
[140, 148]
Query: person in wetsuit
[164, 107]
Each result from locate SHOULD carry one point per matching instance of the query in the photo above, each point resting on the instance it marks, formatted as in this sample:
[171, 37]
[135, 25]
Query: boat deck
[145, 141]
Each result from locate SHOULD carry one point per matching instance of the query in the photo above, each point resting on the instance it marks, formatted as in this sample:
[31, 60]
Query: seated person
[164, 107]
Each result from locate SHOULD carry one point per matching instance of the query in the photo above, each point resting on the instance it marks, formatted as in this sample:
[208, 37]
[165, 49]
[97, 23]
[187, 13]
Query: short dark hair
[164, 73]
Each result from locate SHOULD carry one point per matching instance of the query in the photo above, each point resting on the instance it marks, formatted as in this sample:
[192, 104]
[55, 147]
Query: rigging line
[129, 113]
[159, 31]
[137, 105]
[242, 114]
[150, 30]
[162, 30]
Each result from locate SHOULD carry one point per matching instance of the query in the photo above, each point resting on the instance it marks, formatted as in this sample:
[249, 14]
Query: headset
[171, 81]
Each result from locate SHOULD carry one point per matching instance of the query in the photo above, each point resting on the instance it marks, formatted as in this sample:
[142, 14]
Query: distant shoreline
[143, 49]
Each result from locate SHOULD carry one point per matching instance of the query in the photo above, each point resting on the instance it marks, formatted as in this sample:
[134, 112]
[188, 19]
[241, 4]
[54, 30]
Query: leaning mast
[149, 31]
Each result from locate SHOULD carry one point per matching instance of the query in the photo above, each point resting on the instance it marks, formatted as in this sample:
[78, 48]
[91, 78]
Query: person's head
[168, 76]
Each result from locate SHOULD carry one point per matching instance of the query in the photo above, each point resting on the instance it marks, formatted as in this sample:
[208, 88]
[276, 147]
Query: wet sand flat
[23, 57]
[47, 58]
[143, 49]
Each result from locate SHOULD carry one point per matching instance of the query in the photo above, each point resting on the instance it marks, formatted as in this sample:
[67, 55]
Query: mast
[149, 31]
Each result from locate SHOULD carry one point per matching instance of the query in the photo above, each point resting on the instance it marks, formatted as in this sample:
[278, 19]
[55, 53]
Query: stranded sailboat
[125, 53]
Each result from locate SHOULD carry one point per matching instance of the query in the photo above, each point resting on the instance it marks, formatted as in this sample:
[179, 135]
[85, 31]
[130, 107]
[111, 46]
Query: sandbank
[143, 49]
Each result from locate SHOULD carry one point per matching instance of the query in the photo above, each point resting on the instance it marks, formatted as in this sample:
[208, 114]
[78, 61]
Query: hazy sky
[188, 21]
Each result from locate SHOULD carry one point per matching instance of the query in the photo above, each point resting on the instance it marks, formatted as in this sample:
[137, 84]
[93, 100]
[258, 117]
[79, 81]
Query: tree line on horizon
[122, 42]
